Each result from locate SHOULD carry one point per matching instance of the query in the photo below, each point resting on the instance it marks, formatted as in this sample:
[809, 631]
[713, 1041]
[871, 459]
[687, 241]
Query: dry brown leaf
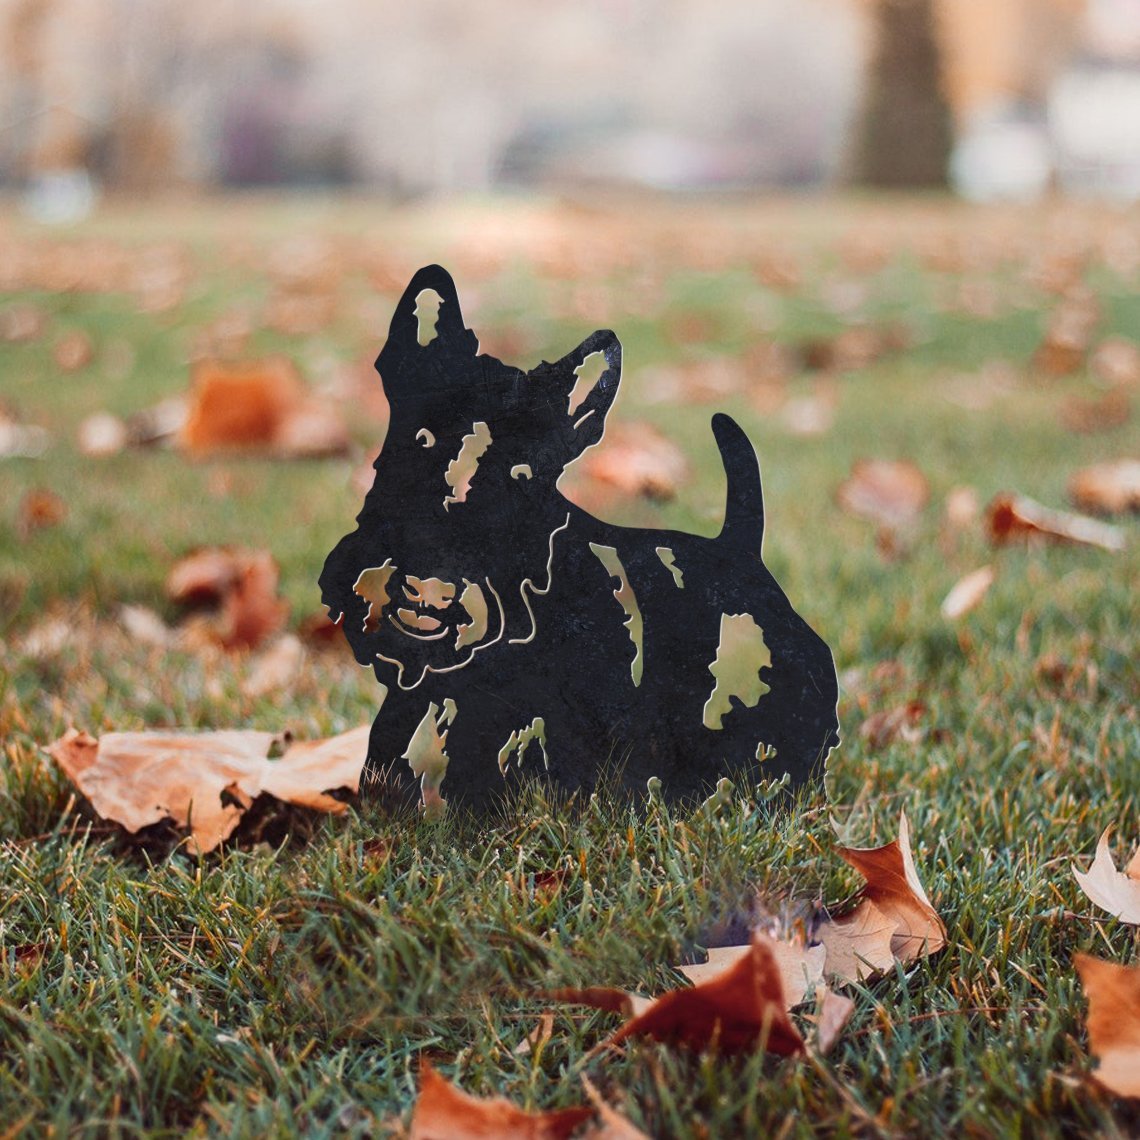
[833, 1013]
[1107, 488]
[319, 632]
[204, 781]
[737, 1010]
[537, 1037]
[801, 967]
[258, 405]
[22, 322]
[252, 610]
[204, 576]
[1113, 1022]
[890, 492]
[242, 584]
[968, 592]
[1010, 516]
[21, 441]
[1117, 361]
[1069, 334]
[637, 459]
[102, 434]
[145, 627]
[73, 351]
[1085, 415]
[888, 725]
[893, 886]
[806, 416]
[858, 944]
[961, 507]
[607, 998]
[613, 1125]
[444, 1112]
[1117, 892]
[39, 509]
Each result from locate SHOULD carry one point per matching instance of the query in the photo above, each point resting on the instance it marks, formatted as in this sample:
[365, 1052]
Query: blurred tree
[905, 133]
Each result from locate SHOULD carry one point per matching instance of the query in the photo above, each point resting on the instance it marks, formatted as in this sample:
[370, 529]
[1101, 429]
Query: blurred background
[1002, 98]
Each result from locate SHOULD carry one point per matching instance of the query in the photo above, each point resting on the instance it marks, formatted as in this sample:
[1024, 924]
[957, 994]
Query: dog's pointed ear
[589, 377]
[428, 320]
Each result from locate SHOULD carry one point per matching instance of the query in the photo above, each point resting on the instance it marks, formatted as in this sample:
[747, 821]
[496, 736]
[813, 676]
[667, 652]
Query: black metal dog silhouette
[515, 632]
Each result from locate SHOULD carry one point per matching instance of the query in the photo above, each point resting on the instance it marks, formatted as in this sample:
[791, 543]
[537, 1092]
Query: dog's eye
[521, 469]
[426, 437]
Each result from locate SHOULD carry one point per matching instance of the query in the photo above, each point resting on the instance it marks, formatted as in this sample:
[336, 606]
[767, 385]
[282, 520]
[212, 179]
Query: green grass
[288, 985]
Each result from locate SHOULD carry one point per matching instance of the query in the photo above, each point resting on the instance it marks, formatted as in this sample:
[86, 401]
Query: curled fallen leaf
[967, 593]
[1113, 1022]
[858, 944]
[889, 492]
[636, 459]
[102, 434]
[39, 509]
[904, 722]
[833, 1013]
[21, 441]
[607, 998]
[1117, 361]
[1085, 416]
[961, 507]
[240, 584]
[145, 627]
[1107, 488]
[205, 781]
[73, 351]
[258, 405]
[893, 887]
[800, 966]
[1117, 892]
[739, 1009]
[1011, 516]
[444, 1112]
[1069, 333]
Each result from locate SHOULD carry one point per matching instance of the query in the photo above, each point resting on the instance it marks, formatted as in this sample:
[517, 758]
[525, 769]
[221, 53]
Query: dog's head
[464, 509]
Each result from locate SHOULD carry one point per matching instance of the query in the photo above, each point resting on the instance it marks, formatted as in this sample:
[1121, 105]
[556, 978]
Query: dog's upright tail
[744, 503]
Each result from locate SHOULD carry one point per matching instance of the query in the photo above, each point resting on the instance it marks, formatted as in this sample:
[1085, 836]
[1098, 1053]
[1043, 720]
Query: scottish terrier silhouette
[508, 625]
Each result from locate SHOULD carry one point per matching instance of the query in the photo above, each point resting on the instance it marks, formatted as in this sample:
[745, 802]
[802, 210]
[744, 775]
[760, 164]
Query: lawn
[289, 984]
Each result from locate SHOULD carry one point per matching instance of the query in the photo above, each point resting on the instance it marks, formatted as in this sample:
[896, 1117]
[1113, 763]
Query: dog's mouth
[430, 611]
[421, 621]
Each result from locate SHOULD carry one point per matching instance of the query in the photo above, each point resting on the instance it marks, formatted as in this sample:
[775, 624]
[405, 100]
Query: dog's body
[508, 625]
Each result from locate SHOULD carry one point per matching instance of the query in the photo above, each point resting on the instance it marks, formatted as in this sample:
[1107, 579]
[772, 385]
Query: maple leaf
[738, 1009]
[1117, 892]
[260, 405]
[858, 944]
[894, 889]
[205, 781]
[636, 459]
[242, 584]
[444, 1112]
[1107, 488]
[833, 1014]
[889, 492]
[1010, 517]
[1113, 1022]
[888, 725]
[968, 592]
[800, 966]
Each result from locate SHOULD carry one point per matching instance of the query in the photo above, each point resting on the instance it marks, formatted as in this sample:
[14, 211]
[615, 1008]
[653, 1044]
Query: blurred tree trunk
[904, 136]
